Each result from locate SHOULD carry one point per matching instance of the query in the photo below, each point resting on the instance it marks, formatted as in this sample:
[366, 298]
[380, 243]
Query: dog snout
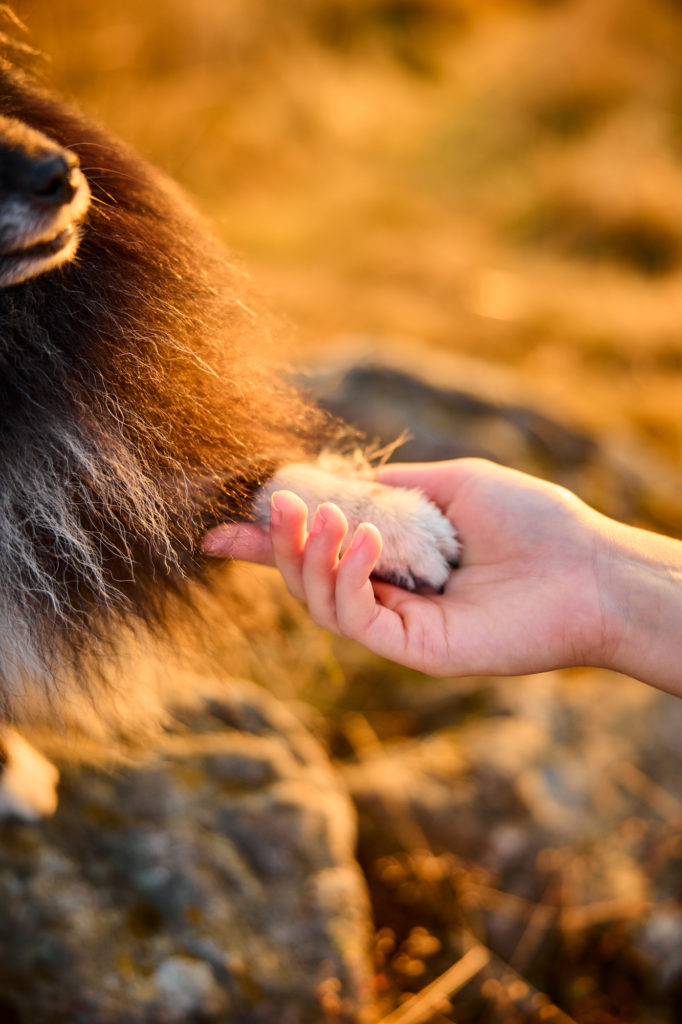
[48, 179]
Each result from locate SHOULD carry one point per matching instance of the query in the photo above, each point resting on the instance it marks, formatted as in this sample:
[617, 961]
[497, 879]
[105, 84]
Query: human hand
[525, 599]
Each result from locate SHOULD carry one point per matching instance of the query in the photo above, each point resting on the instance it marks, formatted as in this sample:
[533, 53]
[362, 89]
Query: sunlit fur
[137, 405]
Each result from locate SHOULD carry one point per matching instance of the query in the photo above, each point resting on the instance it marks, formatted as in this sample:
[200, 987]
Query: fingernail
[319, 522]
[358, 540]
[275, 511]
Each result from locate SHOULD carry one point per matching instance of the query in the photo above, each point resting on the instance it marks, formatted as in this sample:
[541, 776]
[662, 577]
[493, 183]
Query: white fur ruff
[29, 781]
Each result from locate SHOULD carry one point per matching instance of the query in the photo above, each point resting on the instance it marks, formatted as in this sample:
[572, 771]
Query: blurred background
[494, 188]
[491, 177]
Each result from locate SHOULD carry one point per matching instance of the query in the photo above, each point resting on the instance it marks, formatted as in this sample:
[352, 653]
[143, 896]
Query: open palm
[525, 598]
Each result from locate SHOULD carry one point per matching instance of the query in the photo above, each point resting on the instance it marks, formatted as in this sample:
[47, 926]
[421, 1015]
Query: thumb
[438, 480]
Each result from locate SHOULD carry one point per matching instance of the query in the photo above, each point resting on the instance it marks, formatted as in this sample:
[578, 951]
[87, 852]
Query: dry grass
[498, 178]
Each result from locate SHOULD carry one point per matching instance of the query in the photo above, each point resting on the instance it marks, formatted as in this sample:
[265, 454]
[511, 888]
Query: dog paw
[420, 547]
[28, 782]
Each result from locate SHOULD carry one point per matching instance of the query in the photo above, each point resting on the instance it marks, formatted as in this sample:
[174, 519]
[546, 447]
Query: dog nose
[46, 179]
[49, 179]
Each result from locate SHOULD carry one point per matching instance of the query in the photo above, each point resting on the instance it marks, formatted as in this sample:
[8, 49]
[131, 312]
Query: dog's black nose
[47, 180]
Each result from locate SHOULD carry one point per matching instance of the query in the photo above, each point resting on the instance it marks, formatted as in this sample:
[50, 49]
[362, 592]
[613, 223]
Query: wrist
[639, 580]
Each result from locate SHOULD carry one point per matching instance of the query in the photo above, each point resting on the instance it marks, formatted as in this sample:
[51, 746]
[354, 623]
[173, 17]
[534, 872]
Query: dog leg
[420, 546]
[28, 781]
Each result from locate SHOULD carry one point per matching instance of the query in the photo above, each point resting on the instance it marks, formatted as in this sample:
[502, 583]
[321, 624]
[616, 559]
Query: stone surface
[214, 882]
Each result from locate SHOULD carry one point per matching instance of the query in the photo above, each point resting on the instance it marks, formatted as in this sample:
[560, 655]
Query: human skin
[545, 581]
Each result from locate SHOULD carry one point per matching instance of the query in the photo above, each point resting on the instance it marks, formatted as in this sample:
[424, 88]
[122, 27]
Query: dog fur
[140, 403]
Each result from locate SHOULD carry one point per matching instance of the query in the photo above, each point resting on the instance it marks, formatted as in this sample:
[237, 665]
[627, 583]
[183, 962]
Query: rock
[217, 877]
[188, 988]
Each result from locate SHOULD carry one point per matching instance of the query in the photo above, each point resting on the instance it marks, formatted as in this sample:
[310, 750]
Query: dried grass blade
[423, 1005]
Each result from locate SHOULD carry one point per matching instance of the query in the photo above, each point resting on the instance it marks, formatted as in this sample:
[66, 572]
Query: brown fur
[139, 405]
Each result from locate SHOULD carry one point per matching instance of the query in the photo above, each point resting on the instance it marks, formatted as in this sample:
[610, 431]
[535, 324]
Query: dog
[140, 406]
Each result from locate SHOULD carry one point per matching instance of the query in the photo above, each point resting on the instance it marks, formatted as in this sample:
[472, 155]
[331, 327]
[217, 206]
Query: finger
[239, 540]
[354, 598]
[367, 610]
[320, 562]
[288, 531]
[388, 620]
[360, 614]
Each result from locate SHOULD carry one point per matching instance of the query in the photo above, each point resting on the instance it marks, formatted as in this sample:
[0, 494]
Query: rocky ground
[215, 881]
[217, 878]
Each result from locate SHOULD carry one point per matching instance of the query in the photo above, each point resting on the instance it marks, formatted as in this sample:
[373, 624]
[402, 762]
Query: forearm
[640, 583]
